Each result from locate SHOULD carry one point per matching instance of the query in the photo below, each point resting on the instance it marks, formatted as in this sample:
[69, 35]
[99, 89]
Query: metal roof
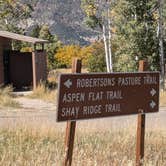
[16, 36]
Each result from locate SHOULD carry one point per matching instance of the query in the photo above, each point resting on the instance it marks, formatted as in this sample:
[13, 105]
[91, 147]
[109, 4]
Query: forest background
[126, 31]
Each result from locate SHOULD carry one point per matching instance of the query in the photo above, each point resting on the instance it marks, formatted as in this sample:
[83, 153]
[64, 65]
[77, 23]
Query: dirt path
[35, 104]
[36, 112]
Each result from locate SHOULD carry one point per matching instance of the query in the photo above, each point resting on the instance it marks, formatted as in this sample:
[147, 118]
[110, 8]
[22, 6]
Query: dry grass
[45, 147]
[6, 99]
[23, 147]
[48, 92]
[53, 75]
[44, 93]
[163, 98]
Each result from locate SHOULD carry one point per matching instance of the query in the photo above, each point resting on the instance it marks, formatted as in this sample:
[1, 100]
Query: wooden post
[140, 126]
[34, 70]
[71, 125]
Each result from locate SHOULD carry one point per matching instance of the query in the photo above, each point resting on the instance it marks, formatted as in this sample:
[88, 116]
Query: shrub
[96, 61]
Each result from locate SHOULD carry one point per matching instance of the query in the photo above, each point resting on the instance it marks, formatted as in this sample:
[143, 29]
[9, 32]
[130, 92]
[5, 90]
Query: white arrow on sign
[68, 83]
[152, 104]
[153, 92]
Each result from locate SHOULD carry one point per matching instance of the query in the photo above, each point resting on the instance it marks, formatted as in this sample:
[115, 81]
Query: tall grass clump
[6, 99]
[44, 92]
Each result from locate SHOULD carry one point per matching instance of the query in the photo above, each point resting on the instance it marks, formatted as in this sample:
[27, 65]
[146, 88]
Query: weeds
[44, 92]
[6, 99]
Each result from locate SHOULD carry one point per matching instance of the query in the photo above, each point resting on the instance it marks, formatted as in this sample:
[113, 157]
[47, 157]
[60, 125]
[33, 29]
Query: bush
[96, 61]
[125, 63]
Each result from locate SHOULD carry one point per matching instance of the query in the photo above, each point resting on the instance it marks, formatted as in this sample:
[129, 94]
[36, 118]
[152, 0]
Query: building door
[20, 70]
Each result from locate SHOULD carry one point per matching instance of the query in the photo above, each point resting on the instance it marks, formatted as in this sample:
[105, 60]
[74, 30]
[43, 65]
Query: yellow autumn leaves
[65, 54]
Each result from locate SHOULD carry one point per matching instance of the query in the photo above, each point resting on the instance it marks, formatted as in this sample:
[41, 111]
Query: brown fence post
[71, 125]
[140, 126]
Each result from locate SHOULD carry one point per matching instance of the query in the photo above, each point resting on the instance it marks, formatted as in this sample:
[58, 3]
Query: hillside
[65, 19]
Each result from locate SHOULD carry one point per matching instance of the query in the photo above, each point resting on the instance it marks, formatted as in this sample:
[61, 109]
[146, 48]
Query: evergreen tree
[45, 33]
[52, 47]
[35, 31]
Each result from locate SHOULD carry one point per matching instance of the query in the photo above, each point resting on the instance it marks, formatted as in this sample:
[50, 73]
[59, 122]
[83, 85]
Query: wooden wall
[5, 44]
[39, 67]
[39, 63]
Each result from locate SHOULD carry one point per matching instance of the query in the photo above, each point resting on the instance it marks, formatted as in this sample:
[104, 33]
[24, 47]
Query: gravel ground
[36, 104]
[36, 112]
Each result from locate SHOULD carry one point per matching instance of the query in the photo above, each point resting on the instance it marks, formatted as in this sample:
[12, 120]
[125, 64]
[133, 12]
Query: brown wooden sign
[87, 96]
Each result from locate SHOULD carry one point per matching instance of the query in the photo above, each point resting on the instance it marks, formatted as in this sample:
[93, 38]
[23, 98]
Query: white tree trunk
[109, 42]
[106, 48]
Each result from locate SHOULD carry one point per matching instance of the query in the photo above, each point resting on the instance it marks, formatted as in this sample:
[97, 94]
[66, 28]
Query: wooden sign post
[97, 95]
[71, 125]
[140, 126]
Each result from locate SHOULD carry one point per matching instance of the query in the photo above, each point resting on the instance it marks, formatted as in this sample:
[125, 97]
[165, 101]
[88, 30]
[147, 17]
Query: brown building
[23, 70]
